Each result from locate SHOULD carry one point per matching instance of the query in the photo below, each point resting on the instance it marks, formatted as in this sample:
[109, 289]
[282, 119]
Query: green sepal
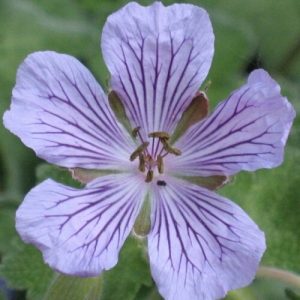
[119, 110]
[62, 175]
[76, 177]
[86, 175]
[211, 182]
[195, 112]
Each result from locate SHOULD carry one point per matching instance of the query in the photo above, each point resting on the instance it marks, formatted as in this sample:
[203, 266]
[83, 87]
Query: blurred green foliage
[249, 34]
[66, 287]
[23, 269]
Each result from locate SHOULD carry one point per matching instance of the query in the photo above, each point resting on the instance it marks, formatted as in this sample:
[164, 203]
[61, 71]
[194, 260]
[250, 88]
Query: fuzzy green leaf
[24, 269]
[271, 198]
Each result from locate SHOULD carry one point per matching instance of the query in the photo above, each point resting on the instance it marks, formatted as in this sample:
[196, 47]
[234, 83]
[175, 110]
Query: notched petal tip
[60, 111]
[247, 131]
[158, 56]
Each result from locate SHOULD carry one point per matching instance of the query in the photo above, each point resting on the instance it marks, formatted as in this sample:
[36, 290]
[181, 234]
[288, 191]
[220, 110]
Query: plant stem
[278, 274]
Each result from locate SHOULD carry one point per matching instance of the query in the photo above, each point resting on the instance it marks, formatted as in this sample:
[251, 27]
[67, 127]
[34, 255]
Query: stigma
[151, 153]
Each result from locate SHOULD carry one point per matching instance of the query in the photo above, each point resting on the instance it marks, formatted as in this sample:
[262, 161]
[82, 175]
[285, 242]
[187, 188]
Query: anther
[170, 149]
[174, 151]
[149, 176]
[159, 134]
[138, 151]
[160, 164]
[142, 165]
[135, 131]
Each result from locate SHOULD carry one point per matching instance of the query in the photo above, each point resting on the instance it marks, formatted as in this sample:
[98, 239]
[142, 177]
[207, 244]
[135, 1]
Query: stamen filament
[142, 140]
[161, 150]
[156, 149]
[164, 155]
[152, 147]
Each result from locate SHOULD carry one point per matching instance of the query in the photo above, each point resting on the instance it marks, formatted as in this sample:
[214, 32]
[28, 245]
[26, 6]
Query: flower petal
[158, 57]
[201, 245]
[247, 131]
[60, 111]
[80, 232]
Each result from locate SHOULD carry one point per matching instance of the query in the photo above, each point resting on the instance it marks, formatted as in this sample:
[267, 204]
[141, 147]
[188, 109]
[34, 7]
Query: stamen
[135, 131]
[160, 164]
[138, 151]
[174, 151]
[170, 149]
[148, 161]
[159, 134]
[142, 165]
[149, 176]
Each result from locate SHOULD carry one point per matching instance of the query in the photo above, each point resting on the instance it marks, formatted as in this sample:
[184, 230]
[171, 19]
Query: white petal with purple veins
[80, 232]
[247, 131]
[158, 57]
[201, 245]
[60, 111]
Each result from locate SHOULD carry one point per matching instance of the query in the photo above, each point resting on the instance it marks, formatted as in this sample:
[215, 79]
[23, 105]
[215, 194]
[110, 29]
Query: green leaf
[241, 294]
[24, 269]
[74, 288]
[130, 274]
[148, 293]
[290, 294]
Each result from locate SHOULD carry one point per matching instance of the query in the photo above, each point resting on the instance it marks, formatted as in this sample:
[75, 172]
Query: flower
[200, 244]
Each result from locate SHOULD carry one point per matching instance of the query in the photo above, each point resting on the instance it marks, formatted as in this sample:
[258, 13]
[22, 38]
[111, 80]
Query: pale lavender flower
[201, 245]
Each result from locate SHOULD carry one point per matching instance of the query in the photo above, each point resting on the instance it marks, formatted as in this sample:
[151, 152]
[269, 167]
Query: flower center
[152, 156]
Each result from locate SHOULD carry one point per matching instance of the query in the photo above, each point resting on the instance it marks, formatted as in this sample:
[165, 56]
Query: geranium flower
[200, 244]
